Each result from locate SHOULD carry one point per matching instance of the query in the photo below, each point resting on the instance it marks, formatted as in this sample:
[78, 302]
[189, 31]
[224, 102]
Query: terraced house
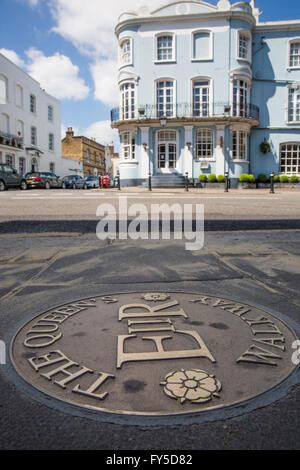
[207, 89]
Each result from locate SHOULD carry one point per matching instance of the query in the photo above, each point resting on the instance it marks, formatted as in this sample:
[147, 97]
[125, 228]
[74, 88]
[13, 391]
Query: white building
[30, 123]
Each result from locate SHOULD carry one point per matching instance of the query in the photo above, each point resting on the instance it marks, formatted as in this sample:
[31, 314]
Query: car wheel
[47, 185]
[73, 186]
[23, 185]
[84, 186]
[63, 186]
[2, 186]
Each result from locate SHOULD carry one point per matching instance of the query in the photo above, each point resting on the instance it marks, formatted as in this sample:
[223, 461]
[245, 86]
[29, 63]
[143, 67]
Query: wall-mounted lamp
[145, 146]
[163, 122]
[189, 145]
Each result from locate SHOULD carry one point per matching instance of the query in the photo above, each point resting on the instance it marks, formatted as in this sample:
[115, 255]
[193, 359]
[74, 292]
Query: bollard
[149, 182]
[226, 182]
[186, 187]
[272, 183]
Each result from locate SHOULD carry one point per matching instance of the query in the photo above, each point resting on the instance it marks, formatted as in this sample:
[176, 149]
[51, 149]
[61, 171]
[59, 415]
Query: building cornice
[215, 15]
[288, 25]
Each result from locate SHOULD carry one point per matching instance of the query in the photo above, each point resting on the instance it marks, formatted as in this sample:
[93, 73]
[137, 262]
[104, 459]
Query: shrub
[284, 179]
[294, 179]
[212, 178]
[251, 179]
[202, 178]
[244, 178]
[262, 178]
[221, 178]
[276, 178]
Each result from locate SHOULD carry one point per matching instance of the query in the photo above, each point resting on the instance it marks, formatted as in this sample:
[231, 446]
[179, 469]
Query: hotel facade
[207, 89]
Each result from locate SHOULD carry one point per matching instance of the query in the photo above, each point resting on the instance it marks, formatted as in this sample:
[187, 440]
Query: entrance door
[166, 152]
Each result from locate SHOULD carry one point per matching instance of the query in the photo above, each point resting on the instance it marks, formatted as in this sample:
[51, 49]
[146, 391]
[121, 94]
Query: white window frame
[51, 142]
[210, 51]
[238, 104]
[286, 164]
[210, 98]
[4, 79]
[128, 110]
[165, 112]
[290, 43]
[167, 139]
[294, 102]
[240, 154]
[22, 160]
[246, 34]
[128, 53]
[50, 113]
[33, 135]
[173, 54]
[128, 146]
[209, 134]
[19, 87]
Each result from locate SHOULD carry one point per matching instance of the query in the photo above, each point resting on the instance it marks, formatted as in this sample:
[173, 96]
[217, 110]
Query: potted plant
[265, 146]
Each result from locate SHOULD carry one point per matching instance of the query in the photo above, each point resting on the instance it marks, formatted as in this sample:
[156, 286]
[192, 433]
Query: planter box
[209, 185]
[286, 185]
[246, 185]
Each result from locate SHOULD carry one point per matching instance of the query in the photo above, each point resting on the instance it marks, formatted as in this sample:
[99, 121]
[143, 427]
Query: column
[188, 151]
[145, 153]
[220, 158]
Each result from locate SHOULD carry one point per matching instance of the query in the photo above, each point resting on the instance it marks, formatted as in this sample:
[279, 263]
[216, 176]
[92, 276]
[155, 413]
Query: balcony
[11, 140]
[185, 111]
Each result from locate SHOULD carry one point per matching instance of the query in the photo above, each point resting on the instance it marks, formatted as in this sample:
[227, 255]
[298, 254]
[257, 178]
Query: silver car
[92, 182]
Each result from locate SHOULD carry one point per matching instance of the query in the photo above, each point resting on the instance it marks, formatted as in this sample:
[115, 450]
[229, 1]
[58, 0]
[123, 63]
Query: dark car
[43, 179]
[9, 178]
[92, 181]
[74, 182]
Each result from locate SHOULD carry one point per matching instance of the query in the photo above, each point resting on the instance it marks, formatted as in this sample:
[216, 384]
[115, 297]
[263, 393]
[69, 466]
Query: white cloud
[105, 75]
[103, 133]
[13, 57]
[57, 75]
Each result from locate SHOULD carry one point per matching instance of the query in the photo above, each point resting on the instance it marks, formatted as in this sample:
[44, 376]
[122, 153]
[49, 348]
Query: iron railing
[186, 111]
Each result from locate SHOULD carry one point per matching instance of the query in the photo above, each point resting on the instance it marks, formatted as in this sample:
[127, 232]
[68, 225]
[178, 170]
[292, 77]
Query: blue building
[207, 89]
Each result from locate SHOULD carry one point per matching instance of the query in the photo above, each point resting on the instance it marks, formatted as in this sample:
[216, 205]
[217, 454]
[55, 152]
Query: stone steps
[166, 181]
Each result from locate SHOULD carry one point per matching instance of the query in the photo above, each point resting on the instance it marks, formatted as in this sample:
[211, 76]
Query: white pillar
[188, 152]
[220, 158]
[144, 154]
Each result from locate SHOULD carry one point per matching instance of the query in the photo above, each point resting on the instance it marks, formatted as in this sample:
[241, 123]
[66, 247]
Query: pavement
[48, 259]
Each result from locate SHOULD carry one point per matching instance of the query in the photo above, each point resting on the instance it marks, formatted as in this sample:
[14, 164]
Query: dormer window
[165, 48]
[126, 52]
[244, 46]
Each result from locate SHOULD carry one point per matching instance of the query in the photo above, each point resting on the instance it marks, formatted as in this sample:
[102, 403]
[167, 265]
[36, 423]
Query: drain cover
[154, 353]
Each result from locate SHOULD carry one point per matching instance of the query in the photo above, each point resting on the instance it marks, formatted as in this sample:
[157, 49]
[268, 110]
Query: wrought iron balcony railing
[11, 140]
[186, 111]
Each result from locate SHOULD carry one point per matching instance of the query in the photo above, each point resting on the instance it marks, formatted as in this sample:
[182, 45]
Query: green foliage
[251, 179]
[276, 178]
[212, 178]
[294, 179]
[262, 178]
[202, 178]
[221, 178]
[284, 179]
[244, 178]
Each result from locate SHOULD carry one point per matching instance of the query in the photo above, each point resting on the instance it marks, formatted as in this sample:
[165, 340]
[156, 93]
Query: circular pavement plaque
[154, 353]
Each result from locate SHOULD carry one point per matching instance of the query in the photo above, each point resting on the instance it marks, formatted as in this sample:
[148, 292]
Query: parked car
[92, 181]
[9, 178]
[74, 182]
[43, 179]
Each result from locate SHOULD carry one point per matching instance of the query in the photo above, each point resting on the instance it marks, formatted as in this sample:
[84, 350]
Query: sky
[70, 48]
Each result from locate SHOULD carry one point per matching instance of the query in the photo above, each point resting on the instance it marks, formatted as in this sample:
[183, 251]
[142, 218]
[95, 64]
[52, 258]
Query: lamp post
[119, 182]
[272, 182]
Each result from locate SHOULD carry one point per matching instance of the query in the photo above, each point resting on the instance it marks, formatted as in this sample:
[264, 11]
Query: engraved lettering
[63, 369]
[90, 392]
[47, 359]
[160, 353]
[169, 327]
[30, 342]
[203, 300]
[151, 311]
[272, 342]
[258, 355]
[109, 300]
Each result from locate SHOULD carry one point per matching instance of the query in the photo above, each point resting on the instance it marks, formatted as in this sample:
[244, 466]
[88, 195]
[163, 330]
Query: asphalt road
[45, 263]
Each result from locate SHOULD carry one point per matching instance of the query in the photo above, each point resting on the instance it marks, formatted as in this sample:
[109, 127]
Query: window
[22, 168]
[201, 98]
[52, 167]
[32, 104]
[128, 146]
[294, 104]
[126, 52]
[290, 158]
[88, 156]
[294, 59]
[204, 143]
[244, 45]
[51, 142]
[202, 45]
[19, 96]
[128, 101]
[165, 98]
[239, 145]
[240, 98]
[165, 50]
[3, 89]
[10, 160]
[50, 113]
[33, 138]
[4, 123]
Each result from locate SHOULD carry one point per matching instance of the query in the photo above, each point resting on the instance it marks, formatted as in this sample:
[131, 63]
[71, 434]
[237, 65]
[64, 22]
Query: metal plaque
[154, 353]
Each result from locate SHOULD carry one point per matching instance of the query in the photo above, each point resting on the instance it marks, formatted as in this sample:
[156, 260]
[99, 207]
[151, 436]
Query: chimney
[69, 133]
